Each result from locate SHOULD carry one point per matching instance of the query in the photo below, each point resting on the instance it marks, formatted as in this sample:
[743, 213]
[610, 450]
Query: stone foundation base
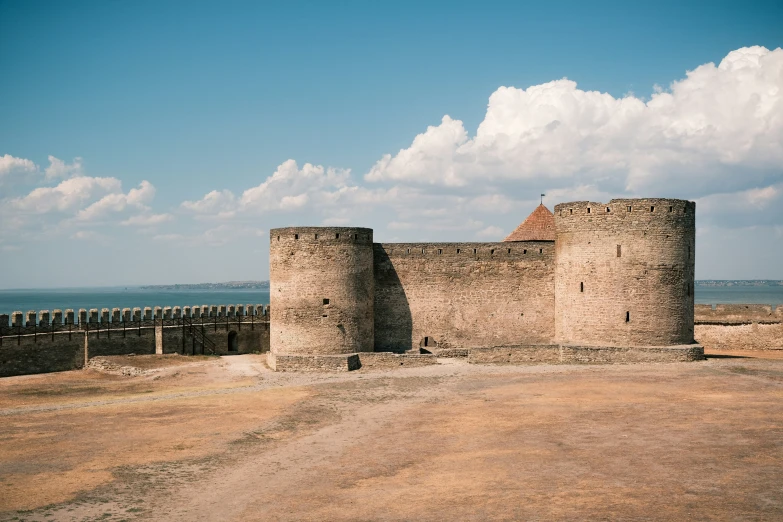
[571, 354]
[389, 360]
[313, 363]
[453, 353]
[521, 354]
[347, 362]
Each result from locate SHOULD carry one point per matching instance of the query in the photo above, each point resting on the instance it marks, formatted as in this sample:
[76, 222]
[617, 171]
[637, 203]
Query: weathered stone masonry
[614, 276]
[436, 296]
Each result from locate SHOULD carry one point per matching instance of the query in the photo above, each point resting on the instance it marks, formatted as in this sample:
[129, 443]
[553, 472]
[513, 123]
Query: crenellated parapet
[117, 316]
[633, 213]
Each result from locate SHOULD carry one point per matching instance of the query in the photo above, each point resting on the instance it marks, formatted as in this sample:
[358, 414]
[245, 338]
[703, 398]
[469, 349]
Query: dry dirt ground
[226, 439]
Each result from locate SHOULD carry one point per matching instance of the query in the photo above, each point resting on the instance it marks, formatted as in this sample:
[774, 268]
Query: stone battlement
[532, 249]
[117, 315]
[622, 209]
[336, 235]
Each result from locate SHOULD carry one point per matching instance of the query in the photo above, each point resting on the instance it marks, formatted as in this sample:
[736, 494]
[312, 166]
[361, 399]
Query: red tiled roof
[539, 226]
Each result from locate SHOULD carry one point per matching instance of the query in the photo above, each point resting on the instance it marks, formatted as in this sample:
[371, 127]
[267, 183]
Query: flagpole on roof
[542, 198]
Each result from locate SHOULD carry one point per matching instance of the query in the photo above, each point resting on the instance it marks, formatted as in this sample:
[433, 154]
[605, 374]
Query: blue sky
[157, 142]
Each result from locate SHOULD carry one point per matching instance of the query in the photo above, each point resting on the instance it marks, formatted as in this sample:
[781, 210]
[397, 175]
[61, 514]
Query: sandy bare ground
[226, 439]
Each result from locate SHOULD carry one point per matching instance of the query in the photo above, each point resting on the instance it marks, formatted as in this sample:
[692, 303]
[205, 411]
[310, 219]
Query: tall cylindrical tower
[321, 290]
[624, 272]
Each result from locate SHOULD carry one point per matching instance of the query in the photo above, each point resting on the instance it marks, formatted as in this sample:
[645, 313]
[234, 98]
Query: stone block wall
[440, 296]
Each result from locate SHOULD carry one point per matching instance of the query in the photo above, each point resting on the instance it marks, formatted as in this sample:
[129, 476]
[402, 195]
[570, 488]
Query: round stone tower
[321, 290]
[624, 272]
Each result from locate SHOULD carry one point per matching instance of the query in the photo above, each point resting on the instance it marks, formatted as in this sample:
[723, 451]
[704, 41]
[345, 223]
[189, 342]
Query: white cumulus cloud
[118, 201]
[719, 128]
[212, 203]
[288, 188]
[67, 195]
[59, 169]
[147, 220]
[9, 164]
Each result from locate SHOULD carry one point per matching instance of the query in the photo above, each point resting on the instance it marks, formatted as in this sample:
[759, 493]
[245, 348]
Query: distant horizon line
[265, 282]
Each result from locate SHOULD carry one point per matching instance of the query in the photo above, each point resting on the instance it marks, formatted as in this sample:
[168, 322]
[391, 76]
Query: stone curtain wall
[321, 290]
[40, 345]
[739, 327]
[625, 272]
[463, 295]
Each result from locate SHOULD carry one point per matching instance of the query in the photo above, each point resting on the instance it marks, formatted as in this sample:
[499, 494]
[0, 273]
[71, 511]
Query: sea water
[123, 297]
[130, 297]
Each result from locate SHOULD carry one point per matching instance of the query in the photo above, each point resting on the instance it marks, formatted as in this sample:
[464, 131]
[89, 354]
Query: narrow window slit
[296, 236]
[619, 251]
[582, 287]
[627, 317]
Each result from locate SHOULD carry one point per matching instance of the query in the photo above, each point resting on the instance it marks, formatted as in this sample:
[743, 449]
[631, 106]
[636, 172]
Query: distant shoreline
[230, 285]
[739, 282]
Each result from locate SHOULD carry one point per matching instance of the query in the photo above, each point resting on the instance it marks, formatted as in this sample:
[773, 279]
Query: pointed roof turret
[539, 226]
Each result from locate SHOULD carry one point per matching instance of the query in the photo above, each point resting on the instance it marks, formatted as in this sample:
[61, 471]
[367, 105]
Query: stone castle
[593, 282]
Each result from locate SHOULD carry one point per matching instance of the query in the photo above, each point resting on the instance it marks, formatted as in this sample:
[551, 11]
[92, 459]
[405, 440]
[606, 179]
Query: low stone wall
[390, 360]
[743, 336]
[739, 327]
[313, 363]
[734, 313]
[526, 354]
[570, 354]
[452, 353]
